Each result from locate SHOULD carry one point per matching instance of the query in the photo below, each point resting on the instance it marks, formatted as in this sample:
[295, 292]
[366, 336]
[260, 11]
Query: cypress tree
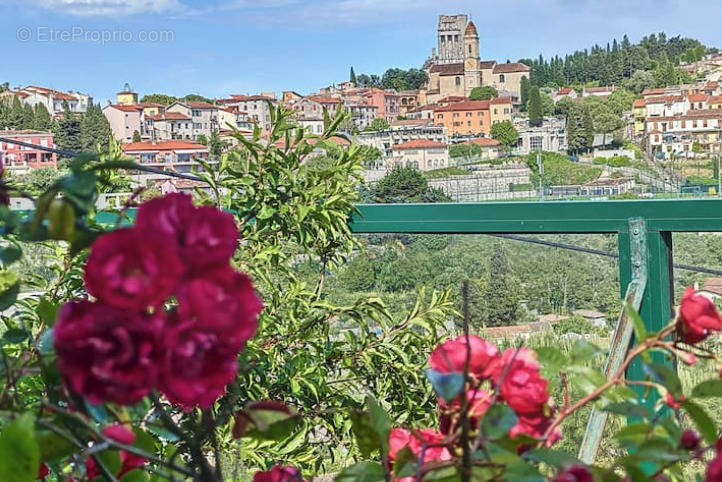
[16, 114]
[42, 121]
[588, 127]
[28, 117]
[501, 293]
[352, 77]
[94, 129]
[524, 92]
[535, 107]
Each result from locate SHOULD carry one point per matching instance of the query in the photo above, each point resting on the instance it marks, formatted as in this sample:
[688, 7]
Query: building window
[458, 81]
[469, 48]
[535, 143]
[501, 78]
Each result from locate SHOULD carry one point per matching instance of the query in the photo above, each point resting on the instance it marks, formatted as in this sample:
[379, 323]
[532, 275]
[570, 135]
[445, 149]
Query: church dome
[471, 30]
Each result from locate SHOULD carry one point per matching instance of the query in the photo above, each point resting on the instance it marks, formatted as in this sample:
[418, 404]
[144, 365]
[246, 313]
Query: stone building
[456, 68]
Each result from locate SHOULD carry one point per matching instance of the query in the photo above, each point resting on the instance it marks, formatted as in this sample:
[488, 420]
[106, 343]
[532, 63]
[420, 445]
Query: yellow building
[714, 102]
[500, 109]
[640, 113]
[127, 96]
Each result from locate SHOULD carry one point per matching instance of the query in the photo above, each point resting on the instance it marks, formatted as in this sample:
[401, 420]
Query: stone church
[456, 67]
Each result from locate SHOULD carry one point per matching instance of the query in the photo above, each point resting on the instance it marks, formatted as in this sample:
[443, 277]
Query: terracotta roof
[323, 99]
[605, 88]
[25, 132]
[665, 99]
[164, 146]
[424, 107]
[564, 90]
[487, 64]
[639, 103]
[485, 142]
[452, 98]
[511, 67]
[590, 313]
[464, 106]
[127, 108]
[169, 116]
[250, 97]
[418, 144]
[471, 30]
[448, 69]
[200, 105]
[697, 97]
[715, 99]
[151, 104]
[500, 100]
[647, 92]
[713, 285]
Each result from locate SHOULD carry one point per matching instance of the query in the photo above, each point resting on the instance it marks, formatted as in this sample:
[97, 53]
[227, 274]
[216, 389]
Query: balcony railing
[644, 233]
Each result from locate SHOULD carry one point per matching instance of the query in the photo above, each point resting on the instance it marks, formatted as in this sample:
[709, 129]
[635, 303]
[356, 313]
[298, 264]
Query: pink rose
[43, 471]
[536, 427]
[279, 474]
[479, 402]
[400, 438]
[122, 435]
[714, 469]
[690, 439]
[450, 356]
[698, 317]
[107, 354]
[199, 364]
[575, 473]
[224, 301]
[128, 270]
[205, 236]
[522, 387]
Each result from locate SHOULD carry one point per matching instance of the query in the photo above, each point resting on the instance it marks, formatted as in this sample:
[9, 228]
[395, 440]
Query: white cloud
[110, 7]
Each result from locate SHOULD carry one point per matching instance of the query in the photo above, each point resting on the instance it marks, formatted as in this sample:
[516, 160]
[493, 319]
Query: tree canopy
[486, 92]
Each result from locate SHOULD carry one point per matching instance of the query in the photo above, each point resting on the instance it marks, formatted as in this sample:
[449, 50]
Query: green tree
[378, 124]
[215, 145]
[203, 139]
[16, 116]
[547, 104]
[38, 180]
[352, 77]
[534, 107]
[587, 127]
[405, 184]
[159, 99]
[564, 105]
[501, 293]
[42, 120]
[524, 92]
[136, 136]
[94, 129]
[505, 133]
[486, 92]
[641, 79]
[67, 132]
[28, 121]
[359, 274]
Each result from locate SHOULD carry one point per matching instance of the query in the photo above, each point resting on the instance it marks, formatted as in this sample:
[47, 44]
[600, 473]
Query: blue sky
[219, 47]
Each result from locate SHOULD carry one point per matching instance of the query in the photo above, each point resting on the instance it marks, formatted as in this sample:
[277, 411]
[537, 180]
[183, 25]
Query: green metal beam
[538, 217]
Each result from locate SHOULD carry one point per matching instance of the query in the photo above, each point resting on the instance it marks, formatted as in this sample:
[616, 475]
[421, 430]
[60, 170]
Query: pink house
[177, 155]
[387, 103]
[22, 159]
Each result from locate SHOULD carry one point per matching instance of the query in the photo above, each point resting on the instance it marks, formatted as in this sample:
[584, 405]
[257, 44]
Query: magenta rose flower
[478, 402]
[205, 236]
[129, 461]
[536, 427]
[690, 440]
[521, 385]
[400, 438]
[714, 469]
[128, 270]
[575, 473]
[450, 356]
[698, 317]
[108, 354]
[222, 300]
[199, 363]
[279, 474]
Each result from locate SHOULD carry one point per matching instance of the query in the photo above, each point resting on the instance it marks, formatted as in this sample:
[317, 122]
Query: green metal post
[658, 302]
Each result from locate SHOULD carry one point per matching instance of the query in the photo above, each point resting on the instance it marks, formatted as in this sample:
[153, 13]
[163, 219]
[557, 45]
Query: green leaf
[98, 412]
[144, 441]
[523, 473]
[380, 421]
[47, 311]
[53, 446]
[664, 375]
[270, 424]
[10, 254]
[704, 423]
[19, 451]
[446, 385]
[554, 458]
[443, 474]
[111, 459]
[628, 409]
[406, 463]
[640, 331]
[366, 437]
[266, 212]
[136, 475]
[15, 335]
[9, 288]
[45, 342]
[551, 358]
[362, 472]
[497, 421]
[633, 433]
[708, 388]
[583, 351]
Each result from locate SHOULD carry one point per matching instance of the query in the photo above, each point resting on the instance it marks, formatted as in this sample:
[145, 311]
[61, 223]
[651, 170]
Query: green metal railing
[644, 233]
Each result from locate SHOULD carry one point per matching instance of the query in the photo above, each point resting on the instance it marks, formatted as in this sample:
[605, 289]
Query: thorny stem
[465, 422]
